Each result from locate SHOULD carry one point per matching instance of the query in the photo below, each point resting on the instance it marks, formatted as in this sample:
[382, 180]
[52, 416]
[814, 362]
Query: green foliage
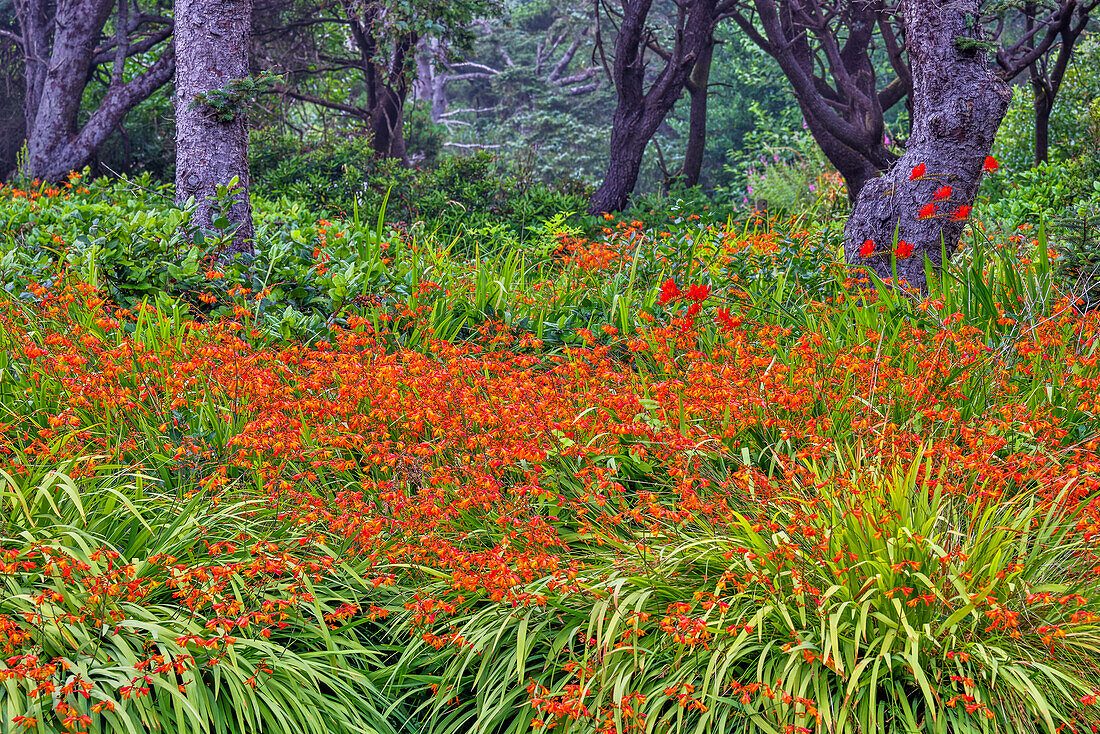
[228, 102]
[971, 46]
[1041, 193]
[424, 138]
[1078, 230]
[1073, 127]
[559, 130]
[119, 527]
[780, 168]
[458, 194]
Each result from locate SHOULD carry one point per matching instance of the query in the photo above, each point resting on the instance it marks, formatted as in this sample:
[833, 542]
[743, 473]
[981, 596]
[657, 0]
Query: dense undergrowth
[679, 478]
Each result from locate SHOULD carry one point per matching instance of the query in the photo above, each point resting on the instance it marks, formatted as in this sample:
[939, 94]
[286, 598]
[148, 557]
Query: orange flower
[669, 292]
[697, 293]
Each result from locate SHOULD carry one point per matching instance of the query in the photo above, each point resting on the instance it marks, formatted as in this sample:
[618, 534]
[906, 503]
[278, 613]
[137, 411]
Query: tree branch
[320, 101]
[108, 53]
[14, 38]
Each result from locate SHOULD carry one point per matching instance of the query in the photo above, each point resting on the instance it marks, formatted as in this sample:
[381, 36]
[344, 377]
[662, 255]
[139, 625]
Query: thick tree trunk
[212, 50]
[697, 121]
[628, 143]
[60, 47]
[12, 118]
[958, 104]
[824, 49]
[856, 166]
[430, 86]
[387, 123]
[639, 112]
[35, 22]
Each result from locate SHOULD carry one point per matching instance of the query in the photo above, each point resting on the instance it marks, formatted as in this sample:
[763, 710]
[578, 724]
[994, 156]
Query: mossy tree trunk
[212, 38]
[958, 104]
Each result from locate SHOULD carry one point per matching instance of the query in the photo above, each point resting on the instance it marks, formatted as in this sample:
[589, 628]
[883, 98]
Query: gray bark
[12, 119]
[212, 39]
[958, 104]
[430, 85]
[59, 44]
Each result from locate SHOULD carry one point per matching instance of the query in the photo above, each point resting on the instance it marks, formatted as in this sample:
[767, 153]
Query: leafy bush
[1039, 194]
[342, 176]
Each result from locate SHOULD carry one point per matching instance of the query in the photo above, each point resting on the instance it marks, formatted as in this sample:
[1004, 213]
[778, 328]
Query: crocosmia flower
[990, 165]
[903, 250]
[928, 211]
[917, 173]
[669, 291]
[961, 212]
[698, 293]
[867, 248]
[943, 192]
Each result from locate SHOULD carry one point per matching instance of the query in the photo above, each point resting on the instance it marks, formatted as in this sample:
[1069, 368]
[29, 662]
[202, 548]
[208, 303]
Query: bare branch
[566, 58]
[475, 66]
[122, 44]
[585, 89]
[321, 102]
[107, 54]
[576, 78]
[14, 38]
[473, 146]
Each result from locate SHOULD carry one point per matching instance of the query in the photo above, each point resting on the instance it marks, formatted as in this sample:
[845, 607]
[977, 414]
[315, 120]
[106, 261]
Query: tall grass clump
[862, 597]
[126, 609]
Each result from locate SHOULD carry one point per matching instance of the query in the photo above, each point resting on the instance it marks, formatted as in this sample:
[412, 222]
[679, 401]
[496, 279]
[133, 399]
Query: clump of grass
[126, 609]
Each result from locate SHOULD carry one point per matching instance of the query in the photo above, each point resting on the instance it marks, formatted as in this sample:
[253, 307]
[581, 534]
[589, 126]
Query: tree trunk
[958, 104]
[1043, 105]
[212, 39]
[1033, 51]
[34, 23]
[430, 86]
[12, 117]
[639, 112]
[824, 49]
[387, 123]
[59, 44]
[628, 143]
[856, 166]
[1047, 85]
[697, 120]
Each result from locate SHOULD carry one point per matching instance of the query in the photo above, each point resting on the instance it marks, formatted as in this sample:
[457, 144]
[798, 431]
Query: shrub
[456, 194]
[1039, 194]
